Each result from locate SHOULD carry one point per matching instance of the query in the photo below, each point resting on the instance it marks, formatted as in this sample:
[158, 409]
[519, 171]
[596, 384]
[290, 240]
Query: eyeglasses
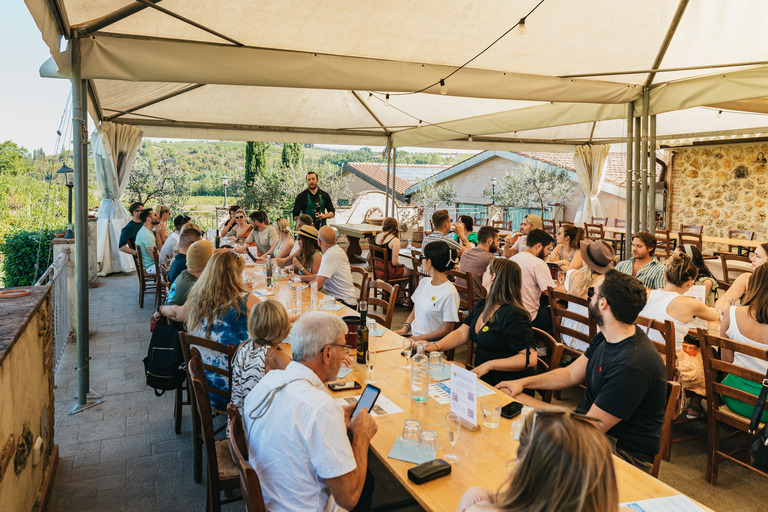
[239, 217]
[575, 415]
[346, 348]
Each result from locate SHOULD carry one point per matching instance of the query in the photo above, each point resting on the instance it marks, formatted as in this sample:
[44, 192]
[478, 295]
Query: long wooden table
[752, 244]
[354, 232]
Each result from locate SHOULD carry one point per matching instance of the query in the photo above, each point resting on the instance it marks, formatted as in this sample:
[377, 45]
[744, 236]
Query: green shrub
[19, 251]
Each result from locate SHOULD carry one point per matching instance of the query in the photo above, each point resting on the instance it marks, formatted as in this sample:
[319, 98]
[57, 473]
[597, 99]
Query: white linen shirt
[168, 247]
[299, 442]
[336, 270]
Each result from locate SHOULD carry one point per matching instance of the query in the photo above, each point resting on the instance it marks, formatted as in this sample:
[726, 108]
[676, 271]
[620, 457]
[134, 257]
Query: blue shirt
[128, 234]
[145, 239]
[178, 265]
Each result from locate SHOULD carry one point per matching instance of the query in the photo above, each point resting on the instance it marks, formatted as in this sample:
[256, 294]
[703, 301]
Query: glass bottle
[218, 240]
[362, 338]
[420, 373]
[268, 270]
[296, 302]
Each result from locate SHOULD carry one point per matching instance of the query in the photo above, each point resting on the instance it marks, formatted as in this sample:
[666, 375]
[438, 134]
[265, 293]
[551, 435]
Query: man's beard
[595, 313]
[156, 222]
[493, 248]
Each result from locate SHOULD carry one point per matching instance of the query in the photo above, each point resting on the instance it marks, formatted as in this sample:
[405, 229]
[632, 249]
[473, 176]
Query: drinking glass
[560, 277]
[408, 349]
[491, 412]
[453, 425]
[330, 301]
[290, 274]
[370, 359]
[362, 306]
[436, 365]
[371, 324]
[411, 432]
[428, 443]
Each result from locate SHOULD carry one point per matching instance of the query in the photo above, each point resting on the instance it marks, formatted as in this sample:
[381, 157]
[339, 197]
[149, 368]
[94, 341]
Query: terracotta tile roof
[413, 173]
[615, 173]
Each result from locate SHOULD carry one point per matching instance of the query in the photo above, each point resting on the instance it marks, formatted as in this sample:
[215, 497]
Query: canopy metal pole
[636, 179]
[394, 172]
[85, 397]
[628, 194]
[386, 187]
[644, 166]
[652, 174]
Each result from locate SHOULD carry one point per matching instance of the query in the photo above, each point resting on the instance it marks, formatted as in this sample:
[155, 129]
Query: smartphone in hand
[367, 400]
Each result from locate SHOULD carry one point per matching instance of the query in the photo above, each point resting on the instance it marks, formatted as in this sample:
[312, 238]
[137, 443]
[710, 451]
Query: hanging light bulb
[386, 101]
[719, 114]
[419, 123]
[521, 26]
[443, 87]
[370, 95]
[470, 138]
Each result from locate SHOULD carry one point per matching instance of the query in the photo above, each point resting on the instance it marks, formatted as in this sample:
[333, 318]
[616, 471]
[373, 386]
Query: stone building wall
[719, 187]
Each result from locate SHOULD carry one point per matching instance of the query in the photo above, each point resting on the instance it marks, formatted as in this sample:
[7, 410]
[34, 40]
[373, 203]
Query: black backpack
[164, 364]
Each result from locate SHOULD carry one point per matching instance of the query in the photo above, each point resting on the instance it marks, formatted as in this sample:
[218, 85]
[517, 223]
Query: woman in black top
[499, 326]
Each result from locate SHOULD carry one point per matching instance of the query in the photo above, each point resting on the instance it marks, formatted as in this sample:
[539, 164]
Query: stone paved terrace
[123, 455]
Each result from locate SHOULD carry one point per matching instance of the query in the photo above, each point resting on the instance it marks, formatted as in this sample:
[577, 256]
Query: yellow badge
[433, 298]
[484, 329]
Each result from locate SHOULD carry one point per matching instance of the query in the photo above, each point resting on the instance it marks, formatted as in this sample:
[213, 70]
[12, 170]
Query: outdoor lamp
[493, 190]
[225, 182]
[69, 177]
[760, 159]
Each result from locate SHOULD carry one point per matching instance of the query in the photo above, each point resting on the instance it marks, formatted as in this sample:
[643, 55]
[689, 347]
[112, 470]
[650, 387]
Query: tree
[256, 183]
[532, 185]
[161, 181]
[14, 159]
[430, 194]
[292, 155]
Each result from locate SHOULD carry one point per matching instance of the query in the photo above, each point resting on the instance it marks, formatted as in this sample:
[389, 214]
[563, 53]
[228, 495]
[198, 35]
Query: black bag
[758, 447]
[164, 364]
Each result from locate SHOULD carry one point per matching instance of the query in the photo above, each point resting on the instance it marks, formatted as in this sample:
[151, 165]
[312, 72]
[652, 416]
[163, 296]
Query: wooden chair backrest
[187, 342]
[594, 231]
[379, 254]
[478, 221]
[565, 223]
[619, 223]
[560, 311]
[724, 261]
[666, 331]
[198, 384]
[553, 358]
[500, 224]
[250, 485]
[684, 238]
[738, 233]
[388, 306]
[663, 244]
[670, 412]
[712, 366]
[364, 275]
[600, 220]
[416, 260]
[549, 226]
[690, 228]
[463, 283]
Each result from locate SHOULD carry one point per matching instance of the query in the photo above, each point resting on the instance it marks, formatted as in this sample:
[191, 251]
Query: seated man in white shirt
[335, 272]
[298, 435]
[536, 276]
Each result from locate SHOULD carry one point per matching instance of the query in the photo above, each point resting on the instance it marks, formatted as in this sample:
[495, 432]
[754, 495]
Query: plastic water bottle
[268, 270]
[313, 295]
[296, 304]
[420, 373]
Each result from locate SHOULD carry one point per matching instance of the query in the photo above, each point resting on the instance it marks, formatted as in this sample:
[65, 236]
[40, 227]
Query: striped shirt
[652, 275]
[248, 367]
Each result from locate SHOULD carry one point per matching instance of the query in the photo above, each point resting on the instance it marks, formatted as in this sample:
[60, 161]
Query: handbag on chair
[758, 447]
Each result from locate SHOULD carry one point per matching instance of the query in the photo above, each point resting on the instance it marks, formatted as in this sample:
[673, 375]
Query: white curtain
[590, 168]
[114, 148]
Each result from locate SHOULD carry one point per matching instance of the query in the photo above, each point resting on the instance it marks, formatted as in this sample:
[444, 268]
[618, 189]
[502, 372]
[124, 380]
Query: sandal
[698, 410]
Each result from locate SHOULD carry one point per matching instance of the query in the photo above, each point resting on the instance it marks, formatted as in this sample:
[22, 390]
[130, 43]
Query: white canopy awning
[319, 71]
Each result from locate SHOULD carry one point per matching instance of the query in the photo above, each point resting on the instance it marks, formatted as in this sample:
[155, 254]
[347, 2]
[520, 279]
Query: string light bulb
[521, 26]
[719, 114]
[386, 101]
[470, 138]
[443, 87]
[370, 95]
[419, 123]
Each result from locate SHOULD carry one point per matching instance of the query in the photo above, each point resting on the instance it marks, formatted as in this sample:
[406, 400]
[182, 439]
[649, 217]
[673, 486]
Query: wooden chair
[565, 223]
[718, 413]
[417, 268]
[619, 223]
[600, 220]
[147, 282]
[478, 221]
[673, 396]
[463, 283]
[690, 228]
[187, 340]
[684, 238]
[594, 231]
[559, 303]
[364, 279]
[250, 485]
[730, 274]
[161, 277]
[738, 233]
[501, 224]
[551, 361]
[664, 247]
[381, 289]
[379, 259]
[549, 226]
[222, 474]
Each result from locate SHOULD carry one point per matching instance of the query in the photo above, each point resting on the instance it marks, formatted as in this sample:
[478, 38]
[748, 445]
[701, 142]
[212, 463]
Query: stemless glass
[453, 425]
[411, 432]
[408, 350]
[560, 277]
[370, 360]
[362, 306]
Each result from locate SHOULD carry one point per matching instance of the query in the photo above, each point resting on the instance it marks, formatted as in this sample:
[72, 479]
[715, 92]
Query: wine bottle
[362, 338]
[218, 240]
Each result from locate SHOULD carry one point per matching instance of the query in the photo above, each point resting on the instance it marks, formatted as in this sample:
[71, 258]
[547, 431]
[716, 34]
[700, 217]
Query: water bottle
[420, 373]
[269, 272]
[296, 304]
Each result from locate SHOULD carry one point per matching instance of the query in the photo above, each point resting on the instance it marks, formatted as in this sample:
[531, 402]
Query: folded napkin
[263, 293]
[377, 333]
[335, 307]
[409, 452]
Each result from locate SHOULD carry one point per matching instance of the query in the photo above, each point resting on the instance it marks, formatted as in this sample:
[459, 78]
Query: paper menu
[440, 392]
[697, 291]
[382, 406]
[464, 394]
[676, 503]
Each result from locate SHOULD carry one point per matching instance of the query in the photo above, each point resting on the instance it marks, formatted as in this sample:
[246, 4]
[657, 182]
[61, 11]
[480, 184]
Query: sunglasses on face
[239, 217]
[591, 292]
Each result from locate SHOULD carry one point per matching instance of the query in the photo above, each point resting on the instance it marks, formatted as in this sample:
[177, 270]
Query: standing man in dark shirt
[314, 202]
[623, 373]
[127, 243]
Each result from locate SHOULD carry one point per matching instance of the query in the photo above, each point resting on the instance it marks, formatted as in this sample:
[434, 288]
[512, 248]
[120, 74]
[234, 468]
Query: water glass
[371, 324]
[344, 370]
[330, 301]
[408, 350]
[453, 425]
[370, 360]
[290, 274]
[491, 412]
[411, 432]
[436, 365]
[428, 444]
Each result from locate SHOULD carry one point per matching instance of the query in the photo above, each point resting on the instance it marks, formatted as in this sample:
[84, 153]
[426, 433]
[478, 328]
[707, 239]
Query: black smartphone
[253, 258]
[343, 386]
[367, 400]
[511, 410]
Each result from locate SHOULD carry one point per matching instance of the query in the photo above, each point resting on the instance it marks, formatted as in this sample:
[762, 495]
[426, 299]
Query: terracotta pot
[59, 235]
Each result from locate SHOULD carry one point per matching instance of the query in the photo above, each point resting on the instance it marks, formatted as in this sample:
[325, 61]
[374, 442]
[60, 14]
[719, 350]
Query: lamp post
[69, 177]
[225, 182]
[493, 191]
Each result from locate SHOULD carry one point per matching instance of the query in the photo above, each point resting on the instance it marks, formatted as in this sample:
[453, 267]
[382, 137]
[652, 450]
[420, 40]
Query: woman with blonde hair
[499, 326]
[161, 230]
[282, 248]
[564, 464]
[670, 304]
[566, 253]
[240, 229]
[268, 326]
[217, 309]
[306, 262]
[389, 240]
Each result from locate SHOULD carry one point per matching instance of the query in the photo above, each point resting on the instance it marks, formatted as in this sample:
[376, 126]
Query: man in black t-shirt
[624, 374]
[314, 202]
[127, 243]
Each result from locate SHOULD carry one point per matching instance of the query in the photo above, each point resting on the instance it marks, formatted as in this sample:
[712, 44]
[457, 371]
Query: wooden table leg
[354, 250]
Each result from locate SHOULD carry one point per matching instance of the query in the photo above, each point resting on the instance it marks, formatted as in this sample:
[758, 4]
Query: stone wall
[719, 187]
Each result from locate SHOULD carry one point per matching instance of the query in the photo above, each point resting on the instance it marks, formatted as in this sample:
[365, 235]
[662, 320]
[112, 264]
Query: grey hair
[312, 331]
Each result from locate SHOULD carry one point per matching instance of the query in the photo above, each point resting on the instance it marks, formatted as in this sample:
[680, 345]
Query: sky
[31, 107]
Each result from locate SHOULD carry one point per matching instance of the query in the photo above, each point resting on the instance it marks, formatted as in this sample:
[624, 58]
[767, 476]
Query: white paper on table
[464, 394]
[263, 293]
[676, 503]
[254, 251]
[697, 291]
[441, 391]
[382, 406]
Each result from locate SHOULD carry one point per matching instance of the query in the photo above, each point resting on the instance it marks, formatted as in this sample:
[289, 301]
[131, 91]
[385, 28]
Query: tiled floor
[123, 455]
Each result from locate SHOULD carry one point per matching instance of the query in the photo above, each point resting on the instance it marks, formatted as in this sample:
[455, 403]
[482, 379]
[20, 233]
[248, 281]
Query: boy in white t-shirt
[435, 301]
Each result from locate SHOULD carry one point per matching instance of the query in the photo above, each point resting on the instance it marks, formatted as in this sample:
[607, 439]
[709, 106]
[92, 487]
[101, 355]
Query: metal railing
[56, 277]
